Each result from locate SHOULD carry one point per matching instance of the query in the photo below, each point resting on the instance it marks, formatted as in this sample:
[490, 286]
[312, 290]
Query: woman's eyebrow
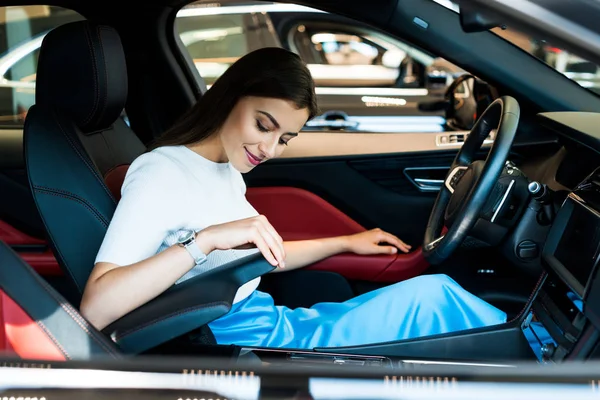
[273, 120]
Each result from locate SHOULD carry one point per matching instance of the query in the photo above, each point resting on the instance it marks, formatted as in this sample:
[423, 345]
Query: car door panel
[373, 191]
[312, 217]
[307, 198]
[298, 214]
[381, 268]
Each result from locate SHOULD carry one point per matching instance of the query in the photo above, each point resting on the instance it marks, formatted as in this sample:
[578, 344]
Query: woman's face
[258, 129]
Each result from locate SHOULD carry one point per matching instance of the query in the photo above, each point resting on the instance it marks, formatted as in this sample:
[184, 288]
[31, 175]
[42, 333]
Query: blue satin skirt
[425, 305]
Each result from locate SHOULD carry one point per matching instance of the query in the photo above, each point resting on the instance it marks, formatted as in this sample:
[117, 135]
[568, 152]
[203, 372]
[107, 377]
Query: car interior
[505, 200]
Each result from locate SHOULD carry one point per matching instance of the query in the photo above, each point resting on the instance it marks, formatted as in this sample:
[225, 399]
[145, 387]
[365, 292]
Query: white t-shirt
[172, 189]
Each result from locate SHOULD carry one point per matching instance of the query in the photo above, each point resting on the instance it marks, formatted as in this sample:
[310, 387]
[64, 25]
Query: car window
[339, 48]
[347, 58]
[360, 72]
[22, 29]
[213, 41]
[24, 70]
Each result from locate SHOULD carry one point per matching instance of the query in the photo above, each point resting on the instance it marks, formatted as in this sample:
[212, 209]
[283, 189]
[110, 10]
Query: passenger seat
[75, 140]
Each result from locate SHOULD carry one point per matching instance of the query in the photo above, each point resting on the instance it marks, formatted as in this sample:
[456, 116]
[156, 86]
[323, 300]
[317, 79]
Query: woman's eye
[261, 127]
[285, 142]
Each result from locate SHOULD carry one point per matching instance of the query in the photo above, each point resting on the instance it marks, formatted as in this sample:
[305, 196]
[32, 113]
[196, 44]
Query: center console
[564, 319]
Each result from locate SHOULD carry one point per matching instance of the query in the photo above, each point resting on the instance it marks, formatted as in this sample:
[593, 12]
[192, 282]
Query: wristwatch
[188, 241]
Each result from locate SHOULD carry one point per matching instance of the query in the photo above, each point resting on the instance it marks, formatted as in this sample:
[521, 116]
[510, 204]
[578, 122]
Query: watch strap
[197, 254]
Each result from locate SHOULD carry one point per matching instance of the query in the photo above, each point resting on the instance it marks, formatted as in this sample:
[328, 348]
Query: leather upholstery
[82, 71]
[73, 135]
[43, 324]
[114, 180]
[75, 205]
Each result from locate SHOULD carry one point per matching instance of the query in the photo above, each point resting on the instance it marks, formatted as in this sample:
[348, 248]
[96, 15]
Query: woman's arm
[305, 252]
[113, 290]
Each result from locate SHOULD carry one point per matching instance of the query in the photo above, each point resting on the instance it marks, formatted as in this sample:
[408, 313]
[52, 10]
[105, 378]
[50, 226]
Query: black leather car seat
[74, 135]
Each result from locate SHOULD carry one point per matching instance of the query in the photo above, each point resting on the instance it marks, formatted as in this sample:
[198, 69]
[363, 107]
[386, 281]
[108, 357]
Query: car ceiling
[571, 25]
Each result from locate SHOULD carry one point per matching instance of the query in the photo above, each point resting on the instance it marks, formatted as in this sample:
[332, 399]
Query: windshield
[579, 70]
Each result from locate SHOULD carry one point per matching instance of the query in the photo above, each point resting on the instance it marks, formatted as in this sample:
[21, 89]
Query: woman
[183, 212]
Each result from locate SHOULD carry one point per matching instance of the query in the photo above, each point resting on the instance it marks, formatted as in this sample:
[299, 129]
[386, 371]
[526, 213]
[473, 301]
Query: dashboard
[567, 303]
[579, 134]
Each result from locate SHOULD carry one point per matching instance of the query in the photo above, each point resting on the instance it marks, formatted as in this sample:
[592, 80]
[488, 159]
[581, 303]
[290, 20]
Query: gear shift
[543, 195]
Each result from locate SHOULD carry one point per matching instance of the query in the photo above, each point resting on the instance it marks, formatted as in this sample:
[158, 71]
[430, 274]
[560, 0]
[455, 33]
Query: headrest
[82, 73]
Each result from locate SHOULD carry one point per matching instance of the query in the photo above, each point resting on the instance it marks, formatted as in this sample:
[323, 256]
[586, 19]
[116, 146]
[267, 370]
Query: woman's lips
[252, 158]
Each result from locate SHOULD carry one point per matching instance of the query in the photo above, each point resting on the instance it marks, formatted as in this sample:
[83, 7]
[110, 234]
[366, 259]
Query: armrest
[186, 306]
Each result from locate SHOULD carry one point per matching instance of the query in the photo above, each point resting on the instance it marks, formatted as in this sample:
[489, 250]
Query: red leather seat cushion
[114, 179]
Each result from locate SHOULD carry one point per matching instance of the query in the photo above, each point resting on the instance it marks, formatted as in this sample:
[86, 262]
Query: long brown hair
[268, 72]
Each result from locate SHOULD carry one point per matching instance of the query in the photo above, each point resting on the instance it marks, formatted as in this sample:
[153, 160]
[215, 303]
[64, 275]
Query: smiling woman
[256, 131]
[183, 212]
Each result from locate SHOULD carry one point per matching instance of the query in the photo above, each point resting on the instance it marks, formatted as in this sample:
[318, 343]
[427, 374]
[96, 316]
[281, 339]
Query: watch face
[186, 237]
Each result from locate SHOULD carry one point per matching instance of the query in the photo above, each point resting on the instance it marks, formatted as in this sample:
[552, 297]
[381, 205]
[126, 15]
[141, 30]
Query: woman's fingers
[264, 248]
[271, 230]
[393, 240]
[275, 247]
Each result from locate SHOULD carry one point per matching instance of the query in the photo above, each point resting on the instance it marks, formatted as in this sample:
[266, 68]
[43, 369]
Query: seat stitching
[71, 196]
[53, 339]
[535, 289]
[52, 236]
[95, 72]
[85, 161]
[74, 315]
[174, 314]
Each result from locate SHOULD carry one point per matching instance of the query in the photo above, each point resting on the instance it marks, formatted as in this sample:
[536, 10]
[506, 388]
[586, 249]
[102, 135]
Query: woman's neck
[211, 149]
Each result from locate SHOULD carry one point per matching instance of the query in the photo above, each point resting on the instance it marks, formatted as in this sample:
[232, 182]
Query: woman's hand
[369, 242]
[244, 233]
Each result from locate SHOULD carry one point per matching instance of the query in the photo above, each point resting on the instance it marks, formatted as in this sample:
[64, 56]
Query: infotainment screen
[577, 249]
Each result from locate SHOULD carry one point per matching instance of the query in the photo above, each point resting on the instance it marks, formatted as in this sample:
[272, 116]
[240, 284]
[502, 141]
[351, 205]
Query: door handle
[429, 185]
[427, 179]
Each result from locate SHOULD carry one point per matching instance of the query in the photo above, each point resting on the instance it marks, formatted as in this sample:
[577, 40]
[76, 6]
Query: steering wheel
[469, 183]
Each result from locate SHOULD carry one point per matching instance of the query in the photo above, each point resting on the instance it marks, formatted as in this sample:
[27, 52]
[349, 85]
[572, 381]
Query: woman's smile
[254, 160]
